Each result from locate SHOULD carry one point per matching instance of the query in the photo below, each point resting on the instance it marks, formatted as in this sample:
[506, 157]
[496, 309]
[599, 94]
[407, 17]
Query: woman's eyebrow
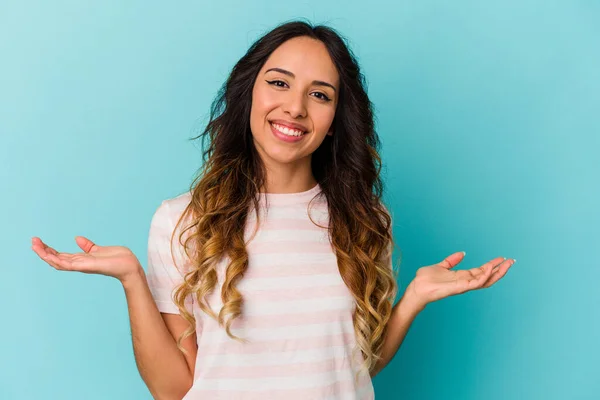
[288, 73]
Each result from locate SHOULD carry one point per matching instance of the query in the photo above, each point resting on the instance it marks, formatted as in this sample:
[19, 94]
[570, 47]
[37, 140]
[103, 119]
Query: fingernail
[464, 253]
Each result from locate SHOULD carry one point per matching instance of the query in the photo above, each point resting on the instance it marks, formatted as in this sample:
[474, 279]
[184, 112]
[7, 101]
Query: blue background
[488, 112]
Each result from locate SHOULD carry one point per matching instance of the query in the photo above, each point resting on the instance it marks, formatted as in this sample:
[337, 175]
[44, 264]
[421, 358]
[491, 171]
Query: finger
[85, 244]
[485, 272]
[510, 261]
[61, 262]
[476, 277]
[50, 250]
[40, 249]
[48, 254]
[452, 260]
[38, 243]
[481, 275]
[498, 273]
[488, 267]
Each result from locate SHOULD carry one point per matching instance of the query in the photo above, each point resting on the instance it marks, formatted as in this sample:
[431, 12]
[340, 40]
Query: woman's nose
[295, 105]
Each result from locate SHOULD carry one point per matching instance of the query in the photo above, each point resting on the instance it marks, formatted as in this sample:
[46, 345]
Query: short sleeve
[163, 275]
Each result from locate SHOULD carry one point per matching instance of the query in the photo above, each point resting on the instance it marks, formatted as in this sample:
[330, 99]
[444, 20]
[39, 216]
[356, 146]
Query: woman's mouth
[286, 134]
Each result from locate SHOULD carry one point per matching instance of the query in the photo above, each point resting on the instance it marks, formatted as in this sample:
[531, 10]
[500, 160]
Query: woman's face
[298, 84]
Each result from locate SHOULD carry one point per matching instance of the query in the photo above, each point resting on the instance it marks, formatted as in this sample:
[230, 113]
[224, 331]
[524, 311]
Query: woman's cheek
[323, 120]
[272, 99]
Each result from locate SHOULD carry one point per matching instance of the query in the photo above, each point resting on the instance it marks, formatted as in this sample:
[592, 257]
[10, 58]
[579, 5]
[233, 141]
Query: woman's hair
[346, 165]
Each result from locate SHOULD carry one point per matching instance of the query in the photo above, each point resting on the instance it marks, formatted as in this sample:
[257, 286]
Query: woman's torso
[296, 315]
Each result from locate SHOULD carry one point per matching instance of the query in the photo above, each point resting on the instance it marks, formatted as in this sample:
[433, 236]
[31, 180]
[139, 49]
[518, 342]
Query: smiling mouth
[287, 131]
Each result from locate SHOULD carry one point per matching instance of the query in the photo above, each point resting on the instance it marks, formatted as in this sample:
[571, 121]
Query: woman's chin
[283, 156]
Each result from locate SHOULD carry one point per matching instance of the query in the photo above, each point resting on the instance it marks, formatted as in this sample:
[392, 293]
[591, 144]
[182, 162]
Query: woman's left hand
[435, 282]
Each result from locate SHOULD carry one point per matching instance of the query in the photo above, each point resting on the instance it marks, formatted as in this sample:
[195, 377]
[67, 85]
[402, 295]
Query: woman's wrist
[134, 278]
[411, 302]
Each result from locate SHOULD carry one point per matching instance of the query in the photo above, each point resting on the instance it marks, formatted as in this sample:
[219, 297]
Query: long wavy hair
[347, 166]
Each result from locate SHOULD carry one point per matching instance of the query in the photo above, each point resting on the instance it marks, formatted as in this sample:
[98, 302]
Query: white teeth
[287, 131]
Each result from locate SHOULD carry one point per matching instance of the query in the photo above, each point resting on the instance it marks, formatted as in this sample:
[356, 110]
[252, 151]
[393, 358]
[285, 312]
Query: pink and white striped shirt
[297, 311]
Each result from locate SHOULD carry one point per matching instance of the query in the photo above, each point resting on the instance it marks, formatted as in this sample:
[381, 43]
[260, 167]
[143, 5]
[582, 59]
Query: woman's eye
[324, 96]
[276, 82]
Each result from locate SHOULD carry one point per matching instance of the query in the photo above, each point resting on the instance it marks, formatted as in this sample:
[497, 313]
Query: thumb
[453, 259]
[85, 244]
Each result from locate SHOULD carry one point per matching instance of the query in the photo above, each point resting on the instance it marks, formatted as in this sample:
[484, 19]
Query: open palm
[435, 282]
[116, 261]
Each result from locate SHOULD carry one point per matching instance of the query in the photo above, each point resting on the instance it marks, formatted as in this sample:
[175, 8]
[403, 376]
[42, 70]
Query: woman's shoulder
[171, 208]
[179, 202]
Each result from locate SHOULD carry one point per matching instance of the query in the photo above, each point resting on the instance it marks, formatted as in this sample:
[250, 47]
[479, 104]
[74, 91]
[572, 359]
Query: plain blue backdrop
[488, 113]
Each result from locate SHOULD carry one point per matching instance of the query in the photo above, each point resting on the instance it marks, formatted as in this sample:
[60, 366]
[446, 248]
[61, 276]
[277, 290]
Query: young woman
[272, 277]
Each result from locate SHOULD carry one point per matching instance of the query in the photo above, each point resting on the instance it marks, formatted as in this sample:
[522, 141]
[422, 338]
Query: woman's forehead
[305, 58]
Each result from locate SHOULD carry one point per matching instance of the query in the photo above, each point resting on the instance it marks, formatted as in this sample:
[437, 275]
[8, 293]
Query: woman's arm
[403, 314]
[432, 283]
[162, 366]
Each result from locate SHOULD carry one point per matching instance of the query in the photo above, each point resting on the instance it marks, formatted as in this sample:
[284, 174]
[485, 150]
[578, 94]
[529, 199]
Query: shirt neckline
[290, 198]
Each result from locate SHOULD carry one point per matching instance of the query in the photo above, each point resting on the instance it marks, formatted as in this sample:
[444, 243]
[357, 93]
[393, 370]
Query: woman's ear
[330, 133]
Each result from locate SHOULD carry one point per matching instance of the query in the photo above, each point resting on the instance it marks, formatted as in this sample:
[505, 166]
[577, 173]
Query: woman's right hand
[116, 261]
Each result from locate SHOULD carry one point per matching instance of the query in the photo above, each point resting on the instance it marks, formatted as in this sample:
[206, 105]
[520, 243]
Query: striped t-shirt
[296, 315]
